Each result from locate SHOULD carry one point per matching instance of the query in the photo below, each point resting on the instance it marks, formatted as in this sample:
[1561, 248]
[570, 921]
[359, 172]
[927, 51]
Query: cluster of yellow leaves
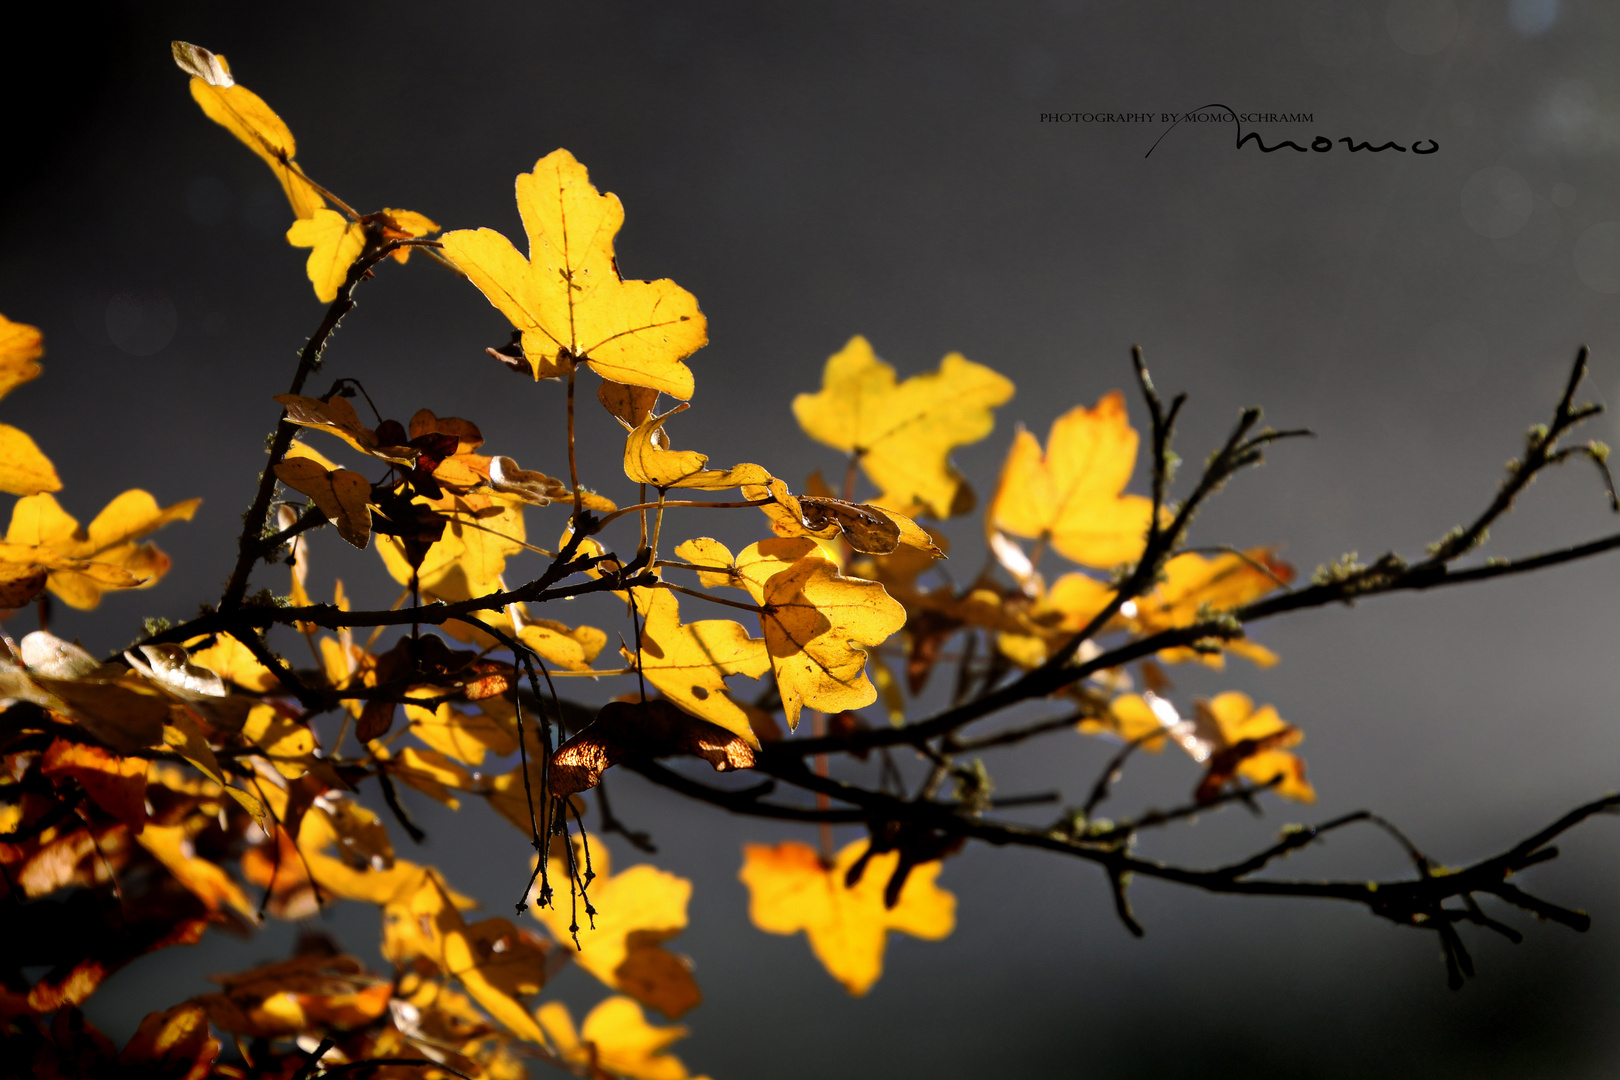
[44, 547]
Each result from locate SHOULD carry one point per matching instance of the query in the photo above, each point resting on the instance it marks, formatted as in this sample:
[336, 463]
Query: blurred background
[815, 171]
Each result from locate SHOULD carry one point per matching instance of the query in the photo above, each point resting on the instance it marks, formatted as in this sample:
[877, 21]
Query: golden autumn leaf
[467, 737]
[334, 242]
[636, 911]
[497, 963]
[567, 298]
[245, 115]
[233, 662]
[1193, 584]
[341, 494]
[816, 622]
[1073, 492]
[615, 1038]
[171, 846]
[790, 890]
[689, 662]
[649, 460]
[81, 564]
[24, 468]
[903, 432]
[481, 531]
[571, 647]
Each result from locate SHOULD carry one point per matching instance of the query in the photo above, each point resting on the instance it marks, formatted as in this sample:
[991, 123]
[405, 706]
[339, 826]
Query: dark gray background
[811, 172]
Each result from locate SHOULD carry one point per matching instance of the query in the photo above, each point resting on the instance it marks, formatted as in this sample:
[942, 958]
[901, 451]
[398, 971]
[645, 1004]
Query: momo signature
[1321, 144]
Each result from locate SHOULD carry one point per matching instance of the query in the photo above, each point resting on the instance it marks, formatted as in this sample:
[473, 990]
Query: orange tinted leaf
[1251, 742]
[116, 784]
[208, 882]
[1194, 584]
[790, 890]
[172, 1045]
[616, 1039]
[291, 997]
[1074, 491]
[84, 563]
[24, 468]
[20, 347]
[567, 298]
[411, 224]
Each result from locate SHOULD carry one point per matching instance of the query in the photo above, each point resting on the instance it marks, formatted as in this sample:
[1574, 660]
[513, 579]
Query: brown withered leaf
[341, 494]
[654, 728]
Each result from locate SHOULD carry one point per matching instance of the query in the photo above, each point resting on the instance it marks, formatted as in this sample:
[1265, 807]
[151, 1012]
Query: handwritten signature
[1321, 144]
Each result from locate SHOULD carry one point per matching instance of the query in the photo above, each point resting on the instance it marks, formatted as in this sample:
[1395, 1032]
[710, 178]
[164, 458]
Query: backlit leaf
[334, 242]
[790, 890]
[567, 298]
[616, 1039]
[903, 432]
[689, 662]
[817, 624]
[1074, 491]
[636, 911]
[341, 494]
[245, 115]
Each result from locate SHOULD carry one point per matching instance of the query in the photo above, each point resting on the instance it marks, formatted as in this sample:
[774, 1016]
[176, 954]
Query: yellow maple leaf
[567, 298]
[571, 647]
[689, 662]
[81, 564]
[496, 962]
[790, 890]
[467, 737]
[1195, 586]
[335, 243]
[1255, 741]
[816, 622]
[245, 115]
[636, 911]
[615, 1039]
[904, 432]
[24, 468]
[1073, 492]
